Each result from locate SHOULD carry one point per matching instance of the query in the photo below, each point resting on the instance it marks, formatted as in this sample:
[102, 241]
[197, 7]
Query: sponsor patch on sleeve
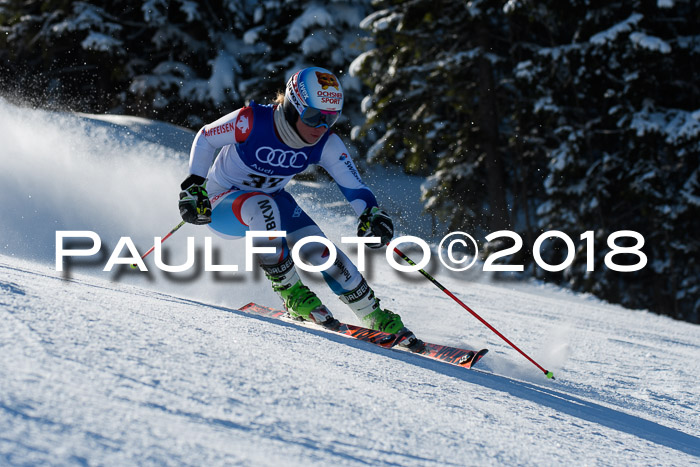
[244, 124]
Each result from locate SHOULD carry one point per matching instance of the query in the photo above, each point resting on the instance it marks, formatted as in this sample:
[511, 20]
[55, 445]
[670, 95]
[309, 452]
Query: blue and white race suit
[246, 186]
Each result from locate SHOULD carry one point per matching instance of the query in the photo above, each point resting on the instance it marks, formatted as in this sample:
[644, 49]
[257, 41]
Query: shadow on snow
[558, 401]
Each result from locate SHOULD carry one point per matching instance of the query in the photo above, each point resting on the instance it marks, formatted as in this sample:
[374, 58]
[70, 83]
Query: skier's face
[308, 133]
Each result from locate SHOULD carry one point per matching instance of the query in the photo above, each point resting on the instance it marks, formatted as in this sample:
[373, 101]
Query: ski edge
[451, 355]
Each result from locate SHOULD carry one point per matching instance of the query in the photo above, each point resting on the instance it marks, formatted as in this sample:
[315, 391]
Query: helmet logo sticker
[327, 80]
[302, 90]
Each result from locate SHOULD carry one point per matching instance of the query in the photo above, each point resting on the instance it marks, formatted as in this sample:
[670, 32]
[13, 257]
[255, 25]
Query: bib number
[261, 181]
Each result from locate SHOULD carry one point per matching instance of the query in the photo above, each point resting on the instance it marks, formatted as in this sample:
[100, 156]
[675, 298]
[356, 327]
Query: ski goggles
[316, 118]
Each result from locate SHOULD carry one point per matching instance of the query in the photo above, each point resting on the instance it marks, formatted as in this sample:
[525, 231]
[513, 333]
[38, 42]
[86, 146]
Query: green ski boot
[365, 305]
[300, 302]
[383, 320]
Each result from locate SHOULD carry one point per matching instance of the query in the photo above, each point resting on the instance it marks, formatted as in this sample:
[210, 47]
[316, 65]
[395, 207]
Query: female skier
[262, 148]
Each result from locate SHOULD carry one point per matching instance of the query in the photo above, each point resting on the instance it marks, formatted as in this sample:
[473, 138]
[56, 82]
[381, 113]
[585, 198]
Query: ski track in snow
[139, 368]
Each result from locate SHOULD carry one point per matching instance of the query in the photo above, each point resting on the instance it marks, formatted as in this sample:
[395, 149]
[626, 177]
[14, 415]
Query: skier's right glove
[375, 222]
[195, 206]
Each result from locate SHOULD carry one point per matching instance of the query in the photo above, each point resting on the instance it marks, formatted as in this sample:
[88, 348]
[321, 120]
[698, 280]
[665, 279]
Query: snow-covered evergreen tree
[437, 103]
[587, 110]
[615, 88]
[180, 61]
[572, 115]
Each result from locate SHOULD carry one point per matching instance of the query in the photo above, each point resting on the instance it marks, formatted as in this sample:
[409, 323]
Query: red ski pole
[134, 266]
[548, 374]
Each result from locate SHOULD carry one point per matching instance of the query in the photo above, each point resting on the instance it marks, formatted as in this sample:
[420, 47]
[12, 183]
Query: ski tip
[549, 375]
[466, 361]
[470, 359]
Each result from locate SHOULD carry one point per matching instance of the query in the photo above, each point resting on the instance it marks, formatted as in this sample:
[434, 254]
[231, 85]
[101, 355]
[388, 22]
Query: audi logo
[281, 158]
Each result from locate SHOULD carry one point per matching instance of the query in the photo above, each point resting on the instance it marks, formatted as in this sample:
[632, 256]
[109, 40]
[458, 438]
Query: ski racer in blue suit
[262, 148]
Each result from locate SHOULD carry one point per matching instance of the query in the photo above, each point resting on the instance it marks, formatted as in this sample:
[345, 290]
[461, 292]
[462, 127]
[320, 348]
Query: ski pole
[548, 374]
[134, 266]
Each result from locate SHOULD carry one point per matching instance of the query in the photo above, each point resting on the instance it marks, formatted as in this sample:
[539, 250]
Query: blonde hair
[279, 98]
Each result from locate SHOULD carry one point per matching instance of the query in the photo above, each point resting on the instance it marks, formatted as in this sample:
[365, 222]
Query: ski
[452, 355]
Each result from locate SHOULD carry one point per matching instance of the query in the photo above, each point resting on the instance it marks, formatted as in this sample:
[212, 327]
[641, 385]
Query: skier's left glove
[375, 222]
[194, 204]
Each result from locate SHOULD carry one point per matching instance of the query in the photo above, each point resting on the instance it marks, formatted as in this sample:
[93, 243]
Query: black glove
[195, 206]
[375, 222]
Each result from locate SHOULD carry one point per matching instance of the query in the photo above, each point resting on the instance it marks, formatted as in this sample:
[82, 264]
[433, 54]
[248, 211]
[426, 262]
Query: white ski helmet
[315, 95]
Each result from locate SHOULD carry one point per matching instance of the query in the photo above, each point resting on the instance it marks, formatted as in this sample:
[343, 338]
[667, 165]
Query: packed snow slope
[130, 367]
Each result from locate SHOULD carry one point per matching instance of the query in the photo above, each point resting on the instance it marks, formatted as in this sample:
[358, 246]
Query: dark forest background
[530, 116]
